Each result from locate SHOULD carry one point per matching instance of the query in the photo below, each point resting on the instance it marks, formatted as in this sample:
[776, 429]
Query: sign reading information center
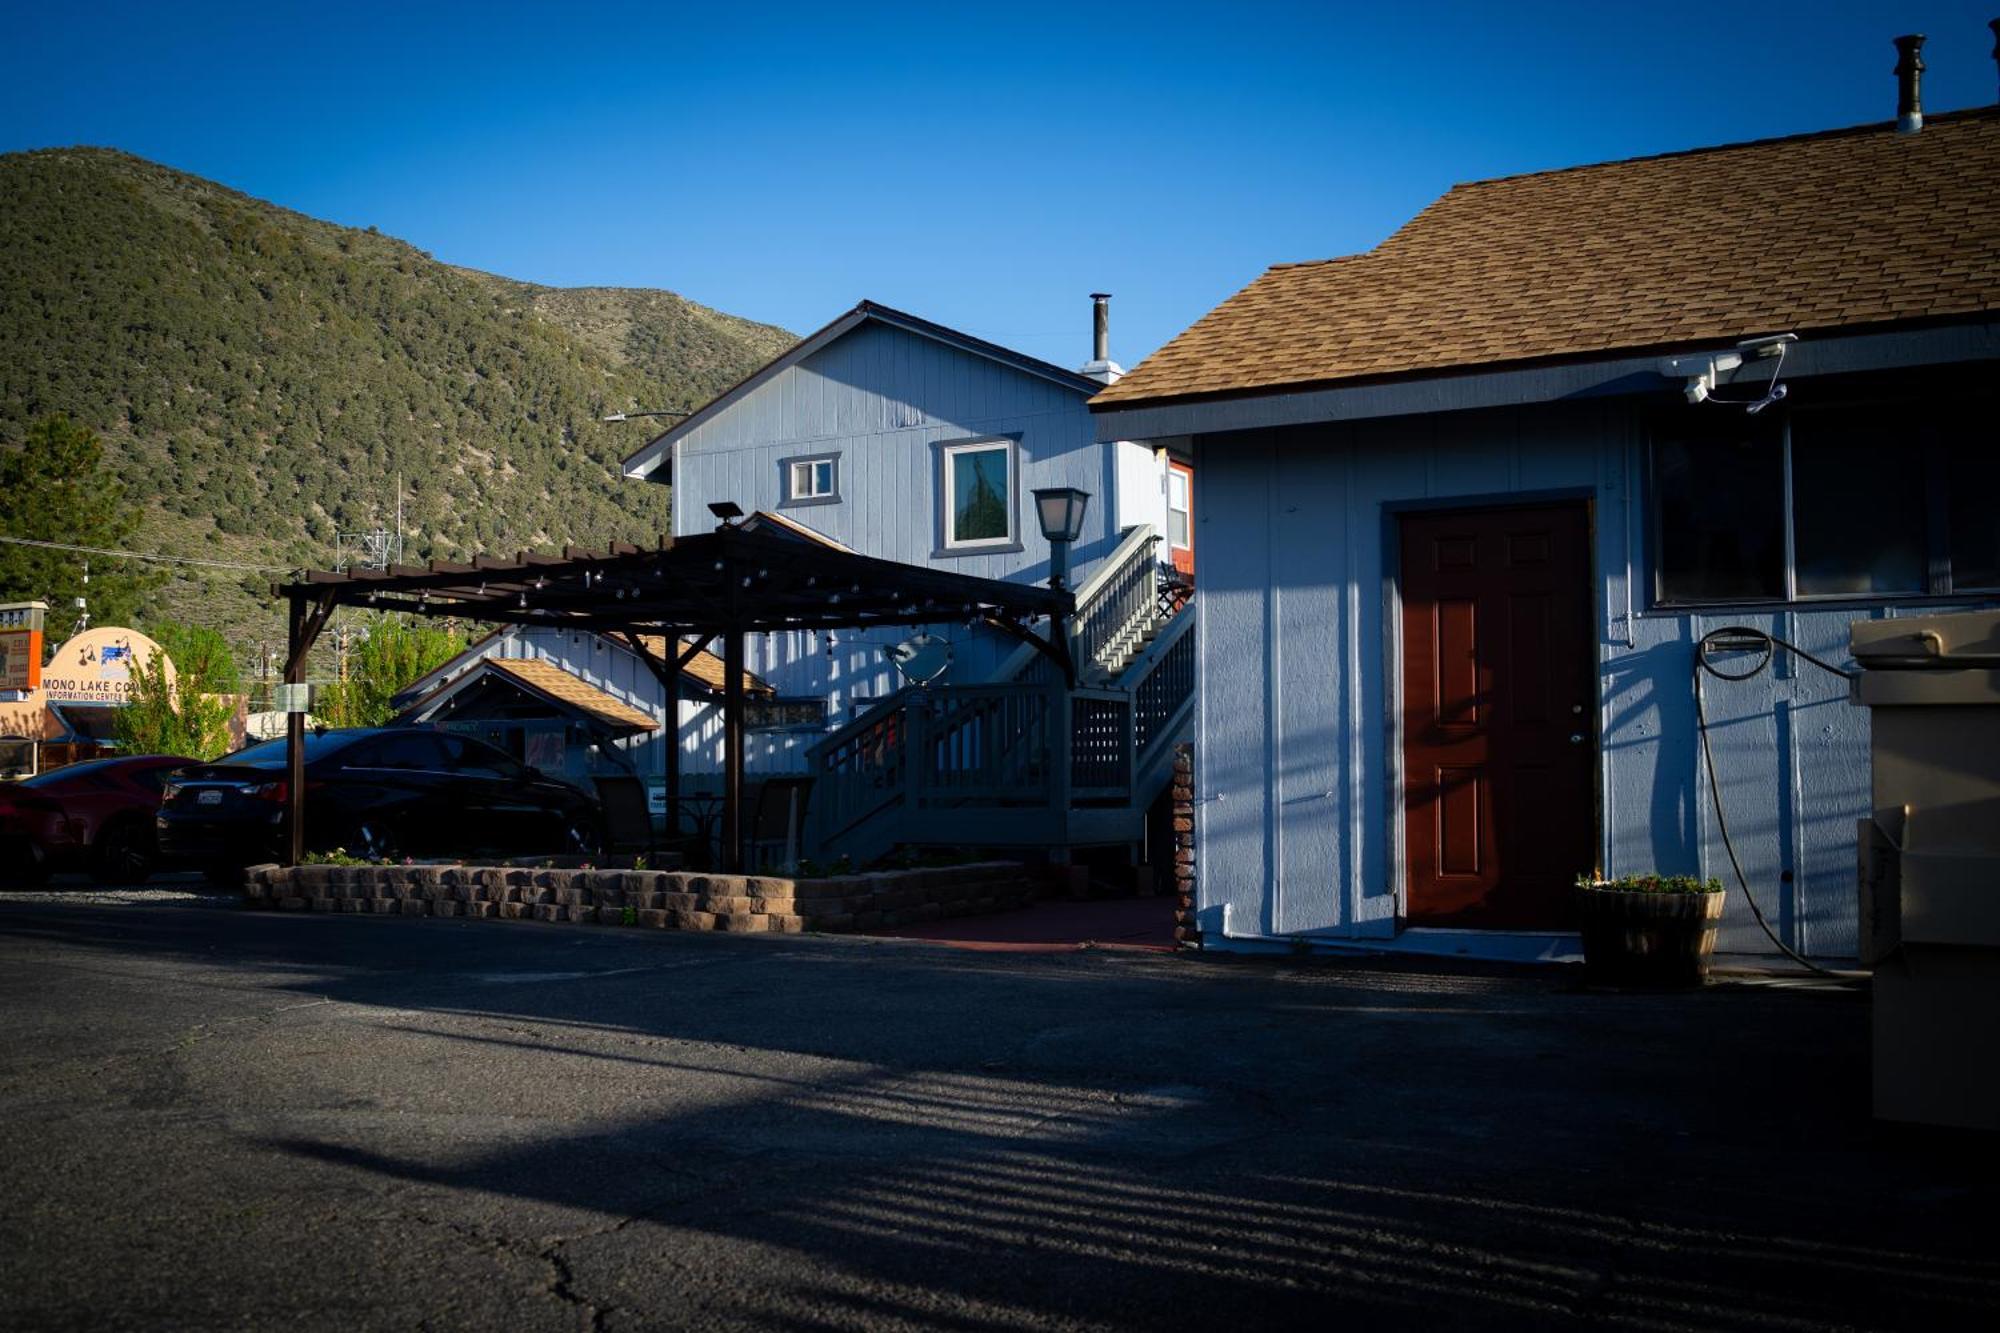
[98, 667]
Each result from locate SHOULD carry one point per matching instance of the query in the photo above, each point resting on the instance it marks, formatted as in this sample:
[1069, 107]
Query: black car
[381, 793]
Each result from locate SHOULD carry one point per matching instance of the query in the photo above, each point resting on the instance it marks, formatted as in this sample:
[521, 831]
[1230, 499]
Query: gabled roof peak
[648, 460]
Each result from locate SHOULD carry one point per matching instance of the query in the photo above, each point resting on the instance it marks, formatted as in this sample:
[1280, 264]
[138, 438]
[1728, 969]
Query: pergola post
[732, 749]
[302, 627]
[295, 736]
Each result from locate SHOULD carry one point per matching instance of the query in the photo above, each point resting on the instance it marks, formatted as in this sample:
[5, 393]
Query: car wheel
[125, 854]
[22, 866]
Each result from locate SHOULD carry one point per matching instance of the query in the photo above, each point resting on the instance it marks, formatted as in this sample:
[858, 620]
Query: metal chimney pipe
[1909, 80]
[1100, 326]
[1995, 25]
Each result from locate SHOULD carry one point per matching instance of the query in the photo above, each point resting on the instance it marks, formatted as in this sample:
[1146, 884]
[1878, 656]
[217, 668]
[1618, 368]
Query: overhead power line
[146, 555]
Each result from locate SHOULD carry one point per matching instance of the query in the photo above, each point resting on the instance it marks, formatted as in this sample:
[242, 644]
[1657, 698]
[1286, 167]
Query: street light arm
[664, 412]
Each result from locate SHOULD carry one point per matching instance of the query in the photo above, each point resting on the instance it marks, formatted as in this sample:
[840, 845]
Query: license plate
[208, 798]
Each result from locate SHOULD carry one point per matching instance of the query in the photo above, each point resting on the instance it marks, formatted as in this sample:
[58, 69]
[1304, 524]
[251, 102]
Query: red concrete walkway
[1053, 927]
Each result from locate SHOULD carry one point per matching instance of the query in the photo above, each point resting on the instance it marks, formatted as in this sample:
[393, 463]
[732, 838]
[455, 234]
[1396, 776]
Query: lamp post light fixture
[1060, 509]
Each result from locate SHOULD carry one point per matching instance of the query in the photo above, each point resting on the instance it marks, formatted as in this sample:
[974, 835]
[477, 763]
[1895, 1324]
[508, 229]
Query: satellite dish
[921, 658]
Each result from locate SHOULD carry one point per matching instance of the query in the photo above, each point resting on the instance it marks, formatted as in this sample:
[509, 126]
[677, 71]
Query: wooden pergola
[690, 591]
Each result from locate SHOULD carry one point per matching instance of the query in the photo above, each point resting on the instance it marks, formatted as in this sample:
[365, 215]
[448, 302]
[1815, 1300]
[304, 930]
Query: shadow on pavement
[810, 1133]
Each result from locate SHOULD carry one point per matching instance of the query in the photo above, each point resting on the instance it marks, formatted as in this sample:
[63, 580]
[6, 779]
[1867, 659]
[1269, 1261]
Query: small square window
[979, 494]
[812, 480]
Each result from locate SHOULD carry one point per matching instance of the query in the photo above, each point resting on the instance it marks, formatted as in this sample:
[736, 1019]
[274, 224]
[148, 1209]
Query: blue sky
[986, 167]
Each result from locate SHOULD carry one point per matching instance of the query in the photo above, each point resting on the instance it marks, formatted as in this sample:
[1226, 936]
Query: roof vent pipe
[1101, 368]
[1909, 79]
[1995, 25]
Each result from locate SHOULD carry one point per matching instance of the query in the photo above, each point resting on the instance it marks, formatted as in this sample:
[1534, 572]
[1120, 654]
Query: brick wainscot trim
[1185, 933]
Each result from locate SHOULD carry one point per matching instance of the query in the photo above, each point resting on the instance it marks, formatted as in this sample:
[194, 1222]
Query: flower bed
[662, 900]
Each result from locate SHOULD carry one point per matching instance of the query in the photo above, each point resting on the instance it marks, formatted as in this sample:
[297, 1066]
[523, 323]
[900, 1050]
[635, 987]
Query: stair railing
[1162, 681]
[860, 769]
[1116, 599]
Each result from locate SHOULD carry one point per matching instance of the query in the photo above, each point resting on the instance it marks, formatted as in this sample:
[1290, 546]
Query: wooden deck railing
[949, 763]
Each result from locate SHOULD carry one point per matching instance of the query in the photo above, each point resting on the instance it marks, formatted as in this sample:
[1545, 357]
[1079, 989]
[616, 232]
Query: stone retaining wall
[663, 900]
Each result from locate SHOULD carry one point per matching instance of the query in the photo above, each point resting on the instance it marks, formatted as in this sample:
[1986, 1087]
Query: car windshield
[266, 752]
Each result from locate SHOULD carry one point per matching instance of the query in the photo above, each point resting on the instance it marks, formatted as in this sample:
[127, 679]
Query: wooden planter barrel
[1635, 938]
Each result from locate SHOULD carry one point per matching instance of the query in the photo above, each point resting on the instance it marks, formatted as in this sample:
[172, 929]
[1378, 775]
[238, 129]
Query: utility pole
[83, 604]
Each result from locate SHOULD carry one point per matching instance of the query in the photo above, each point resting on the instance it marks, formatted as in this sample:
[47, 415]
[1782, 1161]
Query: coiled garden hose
[1739, 639]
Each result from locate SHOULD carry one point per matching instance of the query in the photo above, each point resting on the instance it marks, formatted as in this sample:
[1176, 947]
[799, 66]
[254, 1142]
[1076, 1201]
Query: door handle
[1576, 738]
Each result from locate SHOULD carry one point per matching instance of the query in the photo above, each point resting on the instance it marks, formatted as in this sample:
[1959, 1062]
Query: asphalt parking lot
[211, 1117]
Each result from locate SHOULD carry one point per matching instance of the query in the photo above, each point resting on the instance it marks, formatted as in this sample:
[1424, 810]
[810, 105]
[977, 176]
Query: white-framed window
[1180, 533]
[979, 495]
[814, 480]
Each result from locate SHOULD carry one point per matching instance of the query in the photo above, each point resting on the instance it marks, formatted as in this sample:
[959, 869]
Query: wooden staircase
[1023, 760]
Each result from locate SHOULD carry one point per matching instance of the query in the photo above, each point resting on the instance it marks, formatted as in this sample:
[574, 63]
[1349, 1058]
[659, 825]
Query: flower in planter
[1650, 884]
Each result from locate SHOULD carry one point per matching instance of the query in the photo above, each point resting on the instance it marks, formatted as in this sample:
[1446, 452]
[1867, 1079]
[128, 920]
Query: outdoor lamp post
[1060, 509]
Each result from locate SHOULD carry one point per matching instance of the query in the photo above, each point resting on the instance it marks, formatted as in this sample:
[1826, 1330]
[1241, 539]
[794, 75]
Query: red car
[95, 816]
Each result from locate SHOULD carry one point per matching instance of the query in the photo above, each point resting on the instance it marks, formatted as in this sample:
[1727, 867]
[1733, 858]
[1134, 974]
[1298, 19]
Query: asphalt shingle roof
[551, 681]
[1826, 231]
[705, 666]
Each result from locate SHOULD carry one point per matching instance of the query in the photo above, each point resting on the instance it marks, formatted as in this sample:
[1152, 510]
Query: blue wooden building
[902, 439]
[1467, 503]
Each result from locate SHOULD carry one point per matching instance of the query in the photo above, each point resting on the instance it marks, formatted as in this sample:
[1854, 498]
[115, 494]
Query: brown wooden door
[1499, 749]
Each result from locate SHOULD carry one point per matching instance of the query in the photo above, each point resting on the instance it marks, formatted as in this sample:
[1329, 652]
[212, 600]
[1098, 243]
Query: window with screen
[1719, 493]
[1870, 500]
[1972, 508]
[1858, 526]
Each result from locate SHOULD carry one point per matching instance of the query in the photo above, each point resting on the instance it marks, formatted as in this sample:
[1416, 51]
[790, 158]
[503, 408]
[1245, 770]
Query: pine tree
[54, 488]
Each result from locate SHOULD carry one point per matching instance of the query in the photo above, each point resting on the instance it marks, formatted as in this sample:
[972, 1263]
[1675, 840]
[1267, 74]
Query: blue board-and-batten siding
[883, 399]
[1299, 758]
[620, 673]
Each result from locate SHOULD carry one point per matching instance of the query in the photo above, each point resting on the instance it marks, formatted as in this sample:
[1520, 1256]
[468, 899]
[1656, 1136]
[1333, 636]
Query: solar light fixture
[1060, 509]
[726, 510]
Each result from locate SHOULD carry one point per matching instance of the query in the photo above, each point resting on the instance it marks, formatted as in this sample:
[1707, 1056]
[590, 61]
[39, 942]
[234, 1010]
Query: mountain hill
[261, 378]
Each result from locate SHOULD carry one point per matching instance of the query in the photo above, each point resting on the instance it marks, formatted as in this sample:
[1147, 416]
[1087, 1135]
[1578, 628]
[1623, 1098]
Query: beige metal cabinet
[1930, 864]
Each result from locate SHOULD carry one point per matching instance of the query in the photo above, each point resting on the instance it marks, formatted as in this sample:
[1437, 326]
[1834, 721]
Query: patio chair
[779, 824]
[628, 817]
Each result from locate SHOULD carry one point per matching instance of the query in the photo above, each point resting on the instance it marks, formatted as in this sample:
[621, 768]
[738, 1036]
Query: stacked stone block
[661, 900]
